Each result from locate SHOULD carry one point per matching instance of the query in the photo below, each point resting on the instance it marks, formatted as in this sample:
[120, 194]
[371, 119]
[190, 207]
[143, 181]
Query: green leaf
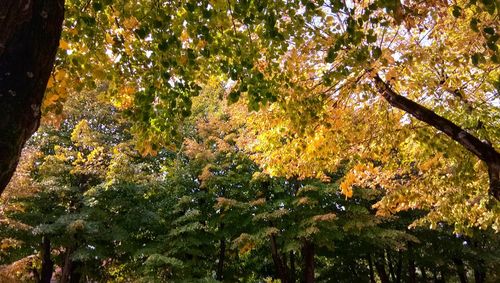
[489, 30]
[457, 11]
[473, 24]
[331, 55]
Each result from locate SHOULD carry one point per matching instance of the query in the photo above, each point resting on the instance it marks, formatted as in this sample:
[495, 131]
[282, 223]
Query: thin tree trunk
[220, 264]
[424, 274]
[482, 150]
[399, 267]
[459, 264]
[47, 263]
[382, 274]
[29, 37]
[412, 274]
[479, 272]
[391, 267]
[370, 267]
[292, 267]
[308, 255]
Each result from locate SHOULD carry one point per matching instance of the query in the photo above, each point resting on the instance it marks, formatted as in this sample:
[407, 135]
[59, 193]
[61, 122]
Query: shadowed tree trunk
[29, 36]
[382, 274]
[47, 263]
[459, 264]
[281, 269]
[222, 255]
[308, 255]
[412, 274]
[482, 150]
[370, 267]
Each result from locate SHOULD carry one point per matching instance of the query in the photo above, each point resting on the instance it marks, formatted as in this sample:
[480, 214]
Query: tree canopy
[180, 134]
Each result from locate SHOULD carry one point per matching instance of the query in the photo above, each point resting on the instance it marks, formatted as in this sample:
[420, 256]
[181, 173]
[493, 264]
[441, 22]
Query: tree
[29, 37]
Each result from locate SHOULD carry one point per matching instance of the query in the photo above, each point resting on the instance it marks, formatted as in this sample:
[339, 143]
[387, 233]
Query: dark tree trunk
[75, 275]
[399, 267]
[482, 150]
[278, 262]
[412, 274]
[67, 268]
[29, 36]
[47, 263]
[370, 267]
[480, 272]
[382, 274]
[424, 274]
[220, 264]
[459, 264]
[292, 267]
[308, 256]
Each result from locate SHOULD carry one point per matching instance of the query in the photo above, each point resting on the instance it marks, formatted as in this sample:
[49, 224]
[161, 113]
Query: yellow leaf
[63, 44]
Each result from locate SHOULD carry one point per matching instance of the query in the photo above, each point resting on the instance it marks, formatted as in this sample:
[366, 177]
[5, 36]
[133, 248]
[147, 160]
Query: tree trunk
[220, 264]
[382, 274]
[47, 263]
[412, 274]
[308, 256]
[370, 267]
[480, 272]
[459, 264]
[482, 150]
[29, 36]
[292, 267]
[278, 262]
[67, 266]
[424, 274]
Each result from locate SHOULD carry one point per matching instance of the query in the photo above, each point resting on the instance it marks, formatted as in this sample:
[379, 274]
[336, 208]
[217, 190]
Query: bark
[278, 262]
[29, 36]
[482, 150]
[47, 263]
[292, 267]
[308, 255]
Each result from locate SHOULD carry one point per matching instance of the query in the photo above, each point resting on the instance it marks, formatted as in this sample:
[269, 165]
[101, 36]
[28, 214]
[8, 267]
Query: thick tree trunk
[482, 150]
[308, 255]
[29, 36]
[47, 263]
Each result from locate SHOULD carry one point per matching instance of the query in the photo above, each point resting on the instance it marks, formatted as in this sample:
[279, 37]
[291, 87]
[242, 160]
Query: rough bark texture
[29, 36]
[482, 150]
